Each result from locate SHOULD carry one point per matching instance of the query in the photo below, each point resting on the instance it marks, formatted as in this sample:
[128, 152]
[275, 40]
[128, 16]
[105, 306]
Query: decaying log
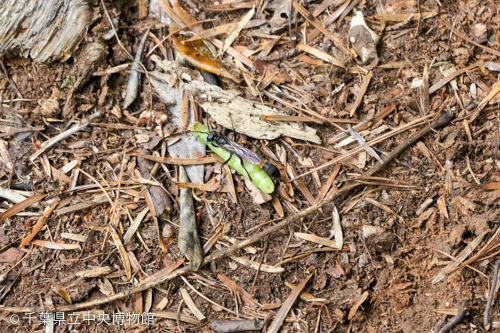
[45, 30]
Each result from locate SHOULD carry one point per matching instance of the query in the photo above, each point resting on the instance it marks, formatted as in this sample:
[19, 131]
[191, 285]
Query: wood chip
[74, 237]
[356, 306]
[99, 271]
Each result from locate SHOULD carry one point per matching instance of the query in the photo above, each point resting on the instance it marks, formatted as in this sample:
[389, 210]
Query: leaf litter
[322, 90]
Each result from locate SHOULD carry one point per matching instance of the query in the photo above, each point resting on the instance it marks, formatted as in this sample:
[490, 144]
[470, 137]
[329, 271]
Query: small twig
[252, 289]
[129, 55]
[440, 323]
[417, 32]
[455, 320]
[21, 130]
[178, 316]
[134, 79]
[493, 286]
[399, 26]
[49, 143]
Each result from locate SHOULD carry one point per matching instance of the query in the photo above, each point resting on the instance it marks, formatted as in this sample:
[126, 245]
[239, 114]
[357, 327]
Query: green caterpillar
[248, 170]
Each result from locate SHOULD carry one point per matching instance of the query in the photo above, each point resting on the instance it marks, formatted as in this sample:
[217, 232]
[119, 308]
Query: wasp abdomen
[271, 170]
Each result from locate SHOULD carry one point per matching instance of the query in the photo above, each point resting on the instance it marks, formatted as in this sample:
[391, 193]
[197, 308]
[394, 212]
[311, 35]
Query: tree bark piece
[45, 30]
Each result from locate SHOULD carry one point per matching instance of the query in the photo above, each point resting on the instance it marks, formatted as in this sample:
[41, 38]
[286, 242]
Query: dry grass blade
[301, 185]
[329, 182]
[363, 144]
[96, 200]
[361, 93]
[277, 205]
[450, 77]
[494, 91]
[424, 92]
[39, 224]
[162, 273]
[321, 55]
[462, 263]
[316, 239]
[365, 123]
[233, 286]
[49, 143]
[45, 160]
[341, 12]
[304, 295]
[217, 234]
[395, 65]
[230, 183]
[152, 209]
[385, 208]
[135, 225]
[135, 264]
[255, 265]
[488, 186]
[324, 5]
[269, 46]
[190, 304]
[461, 257]
[248, 249]
[209, 187]
[55, 245]
[285, 308]
[234, 33]
[21, 206]
[122, 251]
[231, 6]
[290, 118]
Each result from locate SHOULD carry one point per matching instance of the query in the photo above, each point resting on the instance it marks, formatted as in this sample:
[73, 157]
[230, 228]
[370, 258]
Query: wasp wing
[243, 152]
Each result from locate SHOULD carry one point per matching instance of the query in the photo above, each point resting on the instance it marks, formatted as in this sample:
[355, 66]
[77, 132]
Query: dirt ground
[435, 204]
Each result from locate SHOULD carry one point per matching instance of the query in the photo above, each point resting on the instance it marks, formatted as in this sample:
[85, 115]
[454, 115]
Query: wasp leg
[226, 161]
[244, 167]
[242, 162]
